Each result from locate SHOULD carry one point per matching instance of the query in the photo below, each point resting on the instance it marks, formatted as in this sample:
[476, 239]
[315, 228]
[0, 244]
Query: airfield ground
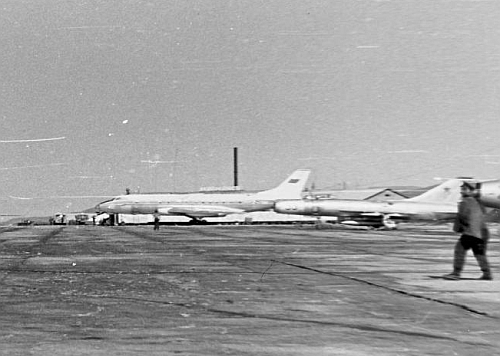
[242, 290]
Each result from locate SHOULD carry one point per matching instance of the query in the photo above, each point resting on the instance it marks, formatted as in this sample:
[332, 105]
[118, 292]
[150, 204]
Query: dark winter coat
[470, 219]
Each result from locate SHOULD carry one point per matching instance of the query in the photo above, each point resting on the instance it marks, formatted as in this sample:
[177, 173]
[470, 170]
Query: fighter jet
[438, 203]
[200, 205]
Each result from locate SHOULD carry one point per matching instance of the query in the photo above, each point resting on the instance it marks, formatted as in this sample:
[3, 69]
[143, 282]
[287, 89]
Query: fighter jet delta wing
[438, 203]
[200, 205]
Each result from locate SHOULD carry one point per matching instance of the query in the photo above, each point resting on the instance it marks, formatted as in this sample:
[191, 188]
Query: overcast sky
[97, 96]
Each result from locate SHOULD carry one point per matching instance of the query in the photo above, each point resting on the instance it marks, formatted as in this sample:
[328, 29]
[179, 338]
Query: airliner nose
[105, 207]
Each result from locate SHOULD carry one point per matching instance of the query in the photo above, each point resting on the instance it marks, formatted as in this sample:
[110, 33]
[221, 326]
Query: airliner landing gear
[195, 221]
[389, 224]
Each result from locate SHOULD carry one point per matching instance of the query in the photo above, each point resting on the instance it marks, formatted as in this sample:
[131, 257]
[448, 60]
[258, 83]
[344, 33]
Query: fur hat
[470, 185]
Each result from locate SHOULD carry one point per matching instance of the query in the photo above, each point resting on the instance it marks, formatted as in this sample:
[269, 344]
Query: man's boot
[486, 276]
[458, 262]
[453, 276]
[485, 267]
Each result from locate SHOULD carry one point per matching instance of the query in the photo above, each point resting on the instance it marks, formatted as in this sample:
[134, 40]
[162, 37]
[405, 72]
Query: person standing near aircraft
[156, 221]
[470, 223]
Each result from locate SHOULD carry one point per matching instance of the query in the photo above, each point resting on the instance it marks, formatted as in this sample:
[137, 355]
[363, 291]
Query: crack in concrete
[399, 291]
[362, 327]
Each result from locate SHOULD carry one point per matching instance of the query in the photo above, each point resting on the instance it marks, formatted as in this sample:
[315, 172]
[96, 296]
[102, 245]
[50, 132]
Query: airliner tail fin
[291, 188]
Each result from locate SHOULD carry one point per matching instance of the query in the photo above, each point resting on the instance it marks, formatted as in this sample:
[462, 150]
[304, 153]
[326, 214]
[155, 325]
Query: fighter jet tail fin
[447, 192]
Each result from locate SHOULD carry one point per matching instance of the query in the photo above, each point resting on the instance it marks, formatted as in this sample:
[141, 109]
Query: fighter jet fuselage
[490, 193]
[439, 203]
[394, 209]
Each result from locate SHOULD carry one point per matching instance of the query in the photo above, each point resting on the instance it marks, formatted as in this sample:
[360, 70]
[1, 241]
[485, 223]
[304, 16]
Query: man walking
[470, 223]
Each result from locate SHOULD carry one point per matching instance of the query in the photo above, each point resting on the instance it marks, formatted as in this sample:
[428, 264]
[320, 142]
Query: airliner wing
[198, 210]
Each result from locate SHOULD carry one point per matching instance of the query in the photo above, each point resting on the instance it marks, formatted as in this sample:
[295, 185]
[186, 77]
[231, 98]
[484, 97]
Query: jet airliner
[201, 205]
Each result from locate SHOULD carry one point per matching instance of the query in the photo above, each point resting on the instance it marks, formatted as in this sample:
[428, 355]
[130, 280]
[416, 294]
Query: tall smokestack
[235, 156]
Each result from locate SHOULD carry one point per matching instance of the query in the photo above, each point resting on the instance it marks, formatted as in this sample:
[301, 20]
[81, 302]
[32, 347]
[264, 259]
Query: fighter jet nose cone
[278, 206]
[284, 206]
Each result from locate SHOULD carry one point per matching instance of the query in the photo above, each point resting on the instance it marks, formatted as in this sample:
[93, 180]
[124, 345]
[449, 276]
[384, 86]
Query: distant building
[385, 195]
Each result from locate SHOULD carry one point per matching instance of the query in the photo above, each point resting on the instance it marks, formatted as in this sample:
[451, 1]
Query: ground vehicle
[81, 219]
[58, 219]
[70, 219]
